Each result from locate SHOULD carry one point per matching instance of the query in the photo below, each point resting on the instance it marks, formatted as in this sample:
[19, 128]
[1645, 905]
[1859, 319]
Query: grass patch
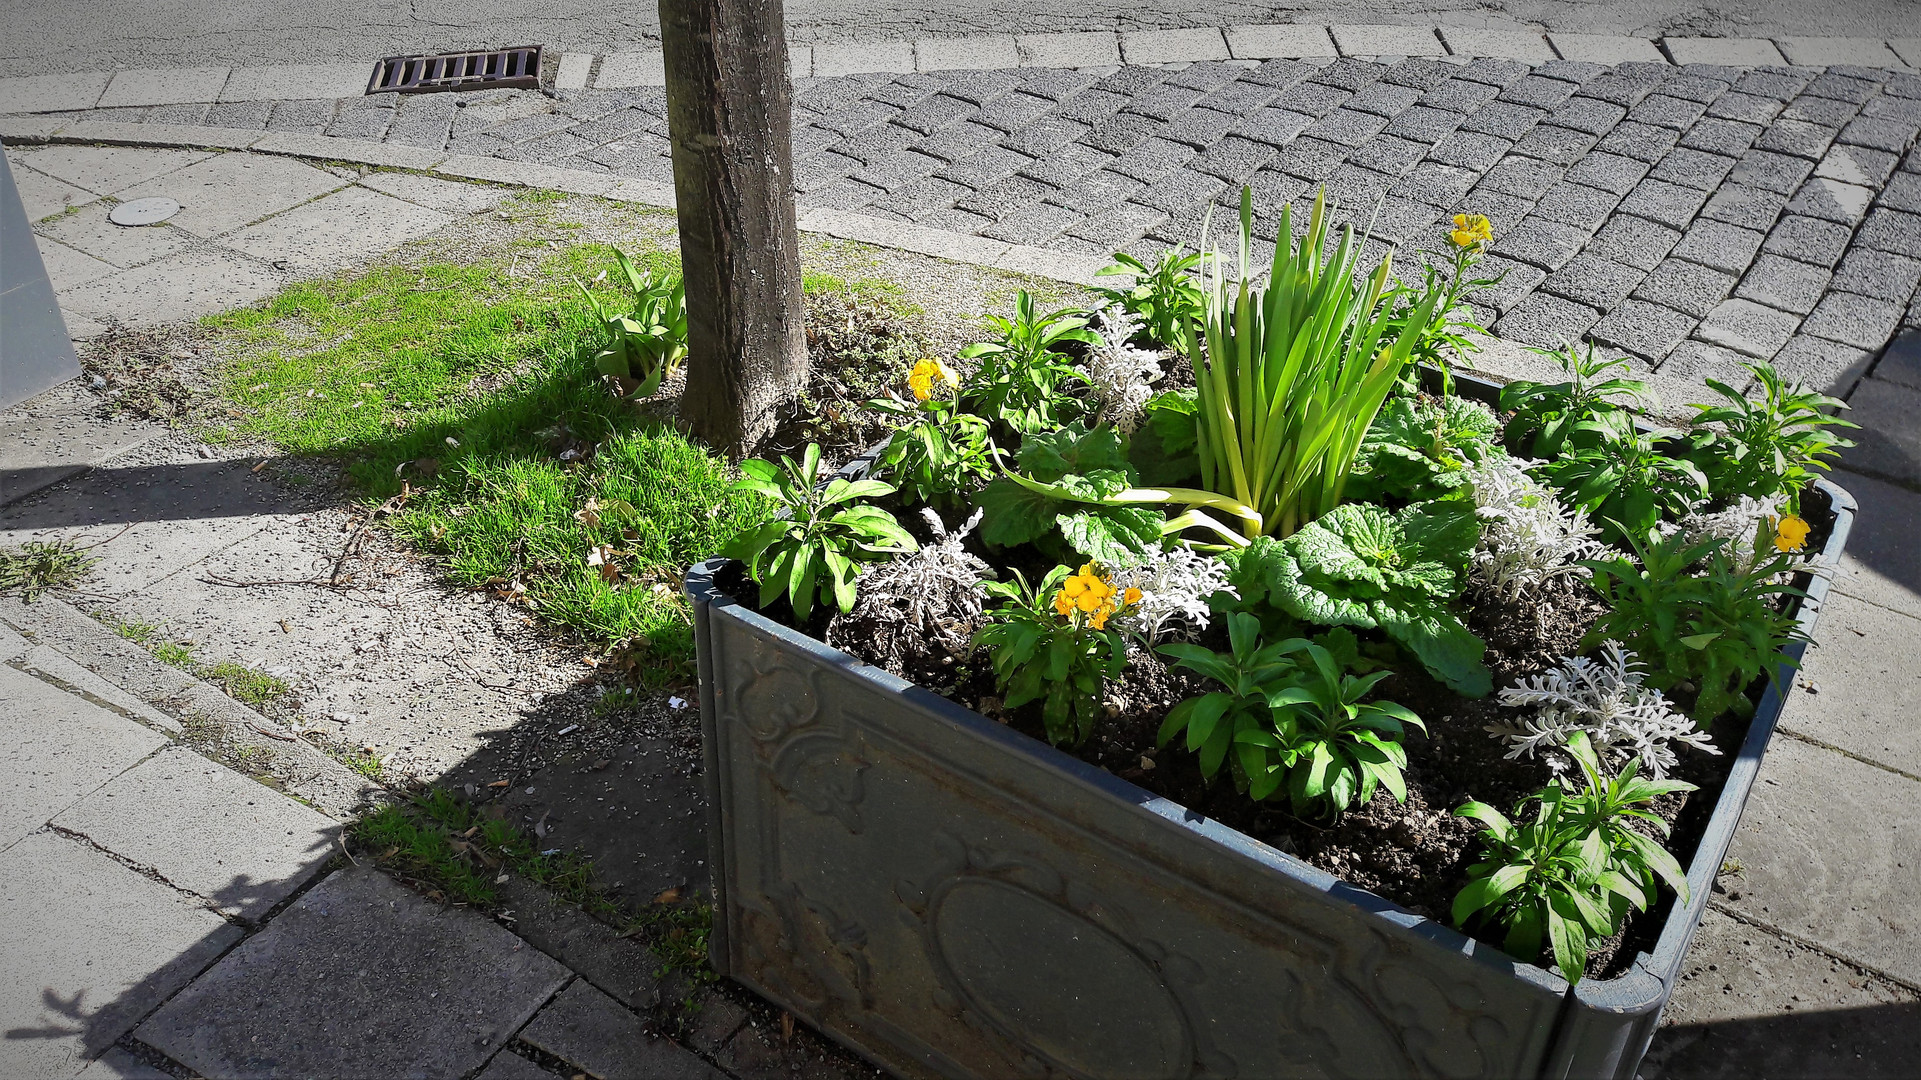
[456, 854]
[240, 682]
[35, 568]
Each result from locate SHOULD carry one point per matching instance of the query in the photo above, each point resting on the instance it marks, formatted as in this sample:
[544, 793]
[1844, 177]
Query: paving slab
[1267, 42]
[1879, 564]
[1865, 686]
[109, 170]
[1908, 49]
[1824, 51]
[572, 71]
[412, 989]
[641, 67]
[52, 666]
[66, 267]
[53, 93]
[984, 52]
[60, 748]
[1173, 46]
[1829, 850]
[184, 286]
[447, 196]
[207, 829]
[1521, 45]
[164, 86]
[359, 151]
[87, 947]
[227, 191]
[345, 227]
[1750, 1004]
[1387, 41]
[1733, 52]
[620, 967]
[853, 58]
[117, 1064]
[1889, 444]
[1607, 49]
[297, 82]
[42, 196]
[87, 229]
[591, 1031]
[1097, 48]
[508, 1065]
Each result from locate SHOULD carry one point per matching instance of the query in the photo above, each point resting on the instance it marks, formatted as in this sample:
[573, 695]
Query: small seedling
[34, 568]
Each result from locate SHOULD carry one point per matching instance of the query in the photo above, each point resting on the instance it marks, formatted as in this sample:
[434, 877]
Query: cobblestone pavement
[1690, 216]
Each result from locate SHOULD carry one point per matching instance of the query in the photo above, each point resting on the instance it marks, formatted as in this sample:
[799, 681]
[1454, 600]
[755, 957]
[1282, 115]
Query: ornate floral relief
[823, 771]
[771, 693]
[1445, 1028]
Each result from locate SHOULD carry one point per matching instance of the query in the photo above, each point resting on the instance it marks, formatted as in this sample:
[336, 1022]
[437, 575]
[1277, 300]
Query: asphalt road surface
[45, 36]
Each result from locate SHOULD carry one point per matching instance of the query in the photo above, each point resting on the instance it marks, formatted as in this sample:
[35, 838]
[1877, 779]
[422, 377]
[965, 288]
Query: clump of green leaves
[1766, 448]
[36, 567]
[938, 454]
[1294, 718]
[647, 343]
[1165, 296]
[1360, 565]
[823, 537]
[1061, 498]
[1165, 449]
[1566, 879]
[1618, 475]
[1044, 647]
[1696, 616]
[1546, 414]
[1020, 383]
[1420, 448]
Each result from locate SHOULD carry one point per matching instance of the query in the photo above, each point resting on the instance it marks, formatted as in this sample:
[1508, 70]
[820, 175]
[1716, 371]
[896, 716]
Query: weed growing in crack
[35, 568]
[249, 686]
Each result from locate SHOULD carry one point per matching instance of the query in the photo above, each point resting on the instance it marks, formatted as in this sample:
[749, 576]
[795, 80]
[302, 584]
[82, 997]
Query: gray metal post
[35, 351]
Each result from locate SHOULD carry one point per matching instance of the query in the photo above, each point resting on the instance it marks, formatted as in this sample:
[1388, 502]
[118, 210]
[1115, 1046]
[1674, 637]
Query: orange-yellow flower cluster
[1790, 534]
[1471, 230]
[1090, 595]
[926, 374]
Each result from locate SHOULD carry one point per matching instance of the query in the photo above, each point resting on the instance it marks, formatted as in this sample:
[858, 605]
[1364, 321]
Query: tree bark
[730, 121]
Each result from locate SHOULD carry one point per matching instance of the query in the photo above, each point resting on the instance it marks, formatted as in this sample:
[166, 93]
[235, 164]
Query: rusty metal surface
[486, 69]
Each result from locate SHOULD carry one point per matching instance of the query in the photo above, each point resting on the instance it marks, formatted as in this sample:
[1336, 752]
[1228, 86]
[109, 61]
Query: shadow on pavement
[1876, 1042]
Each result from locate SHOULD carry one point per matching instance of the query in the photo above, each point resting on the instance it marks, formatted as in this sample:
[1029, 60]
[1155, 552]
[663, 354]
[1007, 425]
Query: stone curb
[300, 768]
[640, 64]
[841, 224]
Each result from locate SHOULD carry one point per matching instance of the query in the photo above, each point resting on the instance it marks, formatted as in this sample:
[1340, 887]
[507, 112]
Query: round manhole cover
[143, 211]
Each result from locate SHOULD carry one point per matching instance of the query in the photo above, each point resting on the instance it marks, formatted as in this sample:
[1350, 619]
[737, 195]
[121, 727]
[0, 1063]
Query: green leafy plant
[818, 545]
[1051, 644]
[1164, 449]
[1766, 448]
[1695, 616]
[648, 343]
[939, 453]
[1165, 296]
[1617, 475]
[1359, 565]
[1565, 879]
[1020, 381]
[36, 567]
[1294, 718]
[1057, 498]
[1450, 332]
[1546, 414]
[1420, 448]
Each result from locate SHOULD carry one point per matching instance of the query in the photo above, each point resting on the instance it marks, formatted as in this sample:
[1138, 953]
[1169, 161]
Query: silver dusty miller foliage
[1527, 537]
[1738, 524]
[1605, 698]
[1120, 376]
[1174, 589]
[933, 593]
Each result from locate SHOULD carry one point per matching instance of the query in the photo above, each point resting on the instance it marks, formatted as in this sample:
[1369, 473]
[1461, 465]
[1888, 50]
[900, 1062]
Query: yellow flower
[1130, 597]
[1074, 586]
[1087, 593]
[925, 374]
[1790, 534]
[1098, 619]
[1471, 230]
[1063, 604]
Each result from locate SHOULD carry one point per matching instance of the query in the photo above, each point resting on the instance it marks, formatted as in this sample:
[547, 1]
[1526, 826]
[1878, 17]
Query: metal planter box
[951, 898]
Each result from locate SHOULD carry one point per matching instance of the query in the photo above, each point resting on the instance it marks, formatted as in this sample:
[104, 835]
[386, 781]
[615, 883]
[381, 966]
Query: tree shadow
[1873, 1042]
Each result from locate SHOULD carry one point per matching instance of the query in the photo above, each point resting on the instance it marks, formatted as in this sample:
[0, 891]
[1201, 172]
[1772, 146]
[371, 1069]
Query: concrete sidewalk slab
[87, 229]
[66, 267]
[359, 151]
[336, 230]
[207, 829]
[447, 196]
[42, 446]
[1607, 49]
[641, 67]
[572, 71]
[855, 58]
[51, 665]
[297, 82]
[1829, 849]
[87, 947]
[1731, 52]
[1908, 49]
[1095, 48]
[1289, 42]
[986, 52]
[53, 93]
[590, 1030]
[1866, 686]
[117, 1064]
[60, 749]
[1823, 51]
[164, 86]
[227, 191]
[1173, 46]
[184, 286]
[42, 196]
[1889, 446]
[508, 1065]
[1387, 41]
[108, 170]
[1520, 45]
[415, 989]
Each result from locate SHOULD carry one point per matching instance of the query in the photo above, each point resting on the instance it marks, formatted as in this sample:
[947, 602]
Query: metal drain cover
[143, 211]
[491, 69]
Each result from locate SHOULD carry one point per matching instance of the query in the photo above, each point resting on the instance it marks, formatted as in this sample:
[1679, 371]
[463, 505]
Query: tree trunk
[728, 115]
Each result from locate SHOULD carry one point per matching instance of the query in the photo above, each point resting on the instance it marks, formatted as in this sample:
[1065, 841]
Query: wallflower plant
[1164, 296]
[1770, 448]
[1022, 379]
[1618, 475]
[938, 453]
[1051, 643]
[1547, 414]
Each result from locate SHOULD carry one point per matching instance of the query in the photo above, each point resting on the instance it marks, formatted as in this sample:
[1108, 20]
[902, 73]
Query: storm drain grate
[490, 70]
